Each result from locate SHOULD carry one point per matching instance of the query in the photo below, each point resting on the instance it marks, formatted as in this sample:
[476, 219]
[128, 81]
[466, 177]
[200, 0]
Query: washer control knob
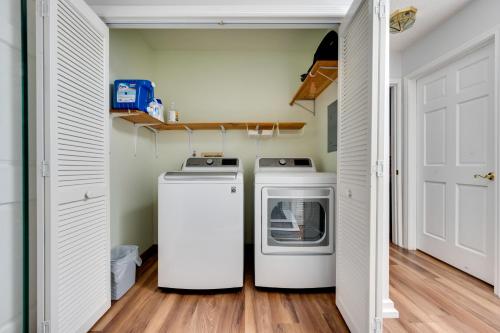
[282, 161]
[210, 161]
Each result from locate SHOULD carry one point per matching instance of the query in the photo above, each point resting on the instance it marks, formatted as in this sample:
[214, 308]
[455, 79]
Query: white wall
[214, 85]
[132, 178]
[10, 169]
[395, 65]
[474, 19]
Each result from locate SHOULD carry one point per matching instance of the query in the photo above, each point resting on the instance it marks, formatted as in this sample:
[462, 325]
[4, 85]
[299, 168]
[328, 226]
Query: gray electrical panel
[332, 127]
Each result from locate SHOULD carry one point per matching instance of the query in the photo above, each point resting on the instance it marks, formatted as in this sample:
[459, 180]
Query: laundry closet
[212, 76]
[238, 94]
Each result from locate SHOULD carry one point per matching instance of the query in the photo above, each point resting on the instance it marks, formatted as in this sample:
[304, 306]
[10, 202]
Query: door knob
[489, 176]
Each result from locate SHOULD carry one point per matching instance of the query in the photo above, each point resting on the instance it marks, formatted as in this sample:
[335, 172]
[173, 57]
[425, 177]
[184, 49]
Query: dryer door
[298, 220]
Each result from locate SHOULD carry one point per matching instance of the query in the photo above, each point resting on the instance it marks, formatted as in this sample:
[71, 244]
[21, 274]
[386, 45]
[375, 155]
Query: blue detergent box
[133, 94]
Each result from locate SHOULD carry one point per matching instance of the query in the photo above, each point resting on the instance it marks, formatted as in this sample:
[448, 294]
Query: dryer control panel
[285, 163]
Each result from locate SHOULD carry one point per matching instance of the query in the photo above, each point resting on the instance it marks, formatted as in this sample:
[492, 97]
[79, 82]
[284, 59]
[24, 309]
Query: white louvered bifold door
[360, 205]
[77, 229]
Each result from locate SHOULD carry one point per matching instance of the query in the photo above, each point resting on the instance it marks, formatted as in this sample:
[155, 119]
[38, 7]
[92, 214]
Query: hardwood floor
[430, 296]
[145, 308]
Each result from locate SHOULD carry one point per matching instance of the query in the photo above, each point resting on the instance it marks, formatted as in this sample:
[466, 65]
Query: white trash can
[124, 258]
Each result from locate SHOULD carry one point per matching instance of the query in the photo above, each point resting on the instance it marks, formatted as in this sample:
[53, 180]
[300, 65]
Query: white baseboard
[388, 309]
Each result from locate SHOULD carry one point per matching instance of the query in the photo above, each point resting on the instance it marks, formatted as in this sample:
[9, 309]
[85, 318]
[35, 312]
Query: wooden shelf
[139, 117]
[136, 116]
[321, 76]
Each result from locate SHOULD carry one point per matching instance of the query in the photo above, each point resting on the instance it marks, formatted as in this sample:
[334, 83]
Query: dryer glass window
[297, 222]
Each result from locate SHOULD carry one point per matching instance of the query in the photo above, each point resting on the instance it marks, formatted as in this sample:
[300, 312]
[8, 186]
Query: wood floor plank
[160, 315]
[250, 323]
[430, 295]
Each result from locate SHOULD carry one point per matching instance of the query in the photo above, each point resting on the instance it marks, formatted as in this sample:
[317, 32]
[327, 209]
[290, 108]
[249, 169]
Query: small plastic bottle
[172, 114]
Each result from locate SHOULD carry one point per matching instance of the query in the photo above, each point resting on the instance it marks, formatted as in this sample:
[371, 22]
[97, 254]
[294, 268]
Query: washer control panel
[285, 163]
[209, 162]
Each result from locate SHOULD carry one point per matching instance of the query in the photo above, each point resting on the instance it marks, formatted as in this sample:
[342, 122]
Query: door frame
[260, 18]
[410, 137]
[222, 16]
[396, 190]
[40, 173]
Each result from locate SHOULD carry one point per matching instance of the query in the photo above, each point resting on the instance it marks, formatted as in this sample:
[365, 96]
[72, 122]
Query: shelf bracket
[136, 134]
[190, 146]
[155, 132]
[313, 110]
[223, 134]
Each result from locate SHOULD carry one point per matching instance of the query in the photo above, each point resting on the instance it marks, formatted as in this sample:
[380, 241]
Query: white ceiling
[233, 39]
[430, 14]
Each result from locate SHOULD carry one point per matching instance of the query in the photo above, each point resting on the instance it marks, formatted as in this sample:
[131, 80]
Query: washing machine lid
[192, 177]
[206, 170]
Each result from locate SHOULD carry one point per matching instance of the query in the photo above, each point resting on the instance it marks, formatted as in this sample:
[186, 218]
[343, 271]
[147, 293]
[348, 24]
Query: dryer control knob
[210, 161]
[282, 162]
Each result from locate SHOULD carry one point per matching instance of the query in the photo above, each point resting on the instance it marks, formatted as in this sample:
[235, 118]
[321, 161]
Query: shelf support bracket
[313, 110]
[155, 132]
[136, 130]
[190, 133]
[223, 134]
[136, 134]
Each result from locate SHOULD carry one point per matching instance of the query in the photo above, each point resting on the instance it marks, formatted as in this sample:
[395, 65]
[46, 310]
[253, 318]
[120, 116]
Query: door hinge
[44, 168]
[379, 168]
[43, 8]
[45, 326]
[380, 9]
[377, 325]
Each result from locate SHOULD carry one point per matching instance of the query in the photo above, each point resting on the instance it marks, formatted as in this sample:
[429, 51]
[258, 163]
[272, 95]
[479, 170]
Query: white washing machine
[294, 224]
[200, 225]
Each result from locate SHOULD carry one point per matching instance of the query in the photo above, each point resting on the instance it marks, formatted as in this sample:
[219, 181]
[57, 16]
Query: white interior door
[363, 140]
[456, 117]
[76, 211]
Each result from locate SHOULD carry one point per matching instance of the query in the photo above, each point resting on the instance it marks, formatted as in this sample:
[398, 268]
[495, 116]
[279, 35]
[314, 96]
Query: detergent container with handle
[133, 94]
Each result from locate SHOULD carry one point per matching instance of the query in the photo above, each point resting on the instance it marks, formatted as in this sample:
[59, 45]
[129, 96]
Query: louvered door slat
[78, 247]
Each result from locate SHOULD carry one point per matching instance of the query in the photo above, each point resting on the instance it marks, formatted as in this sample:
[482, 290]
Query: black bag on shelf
[328, 49]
